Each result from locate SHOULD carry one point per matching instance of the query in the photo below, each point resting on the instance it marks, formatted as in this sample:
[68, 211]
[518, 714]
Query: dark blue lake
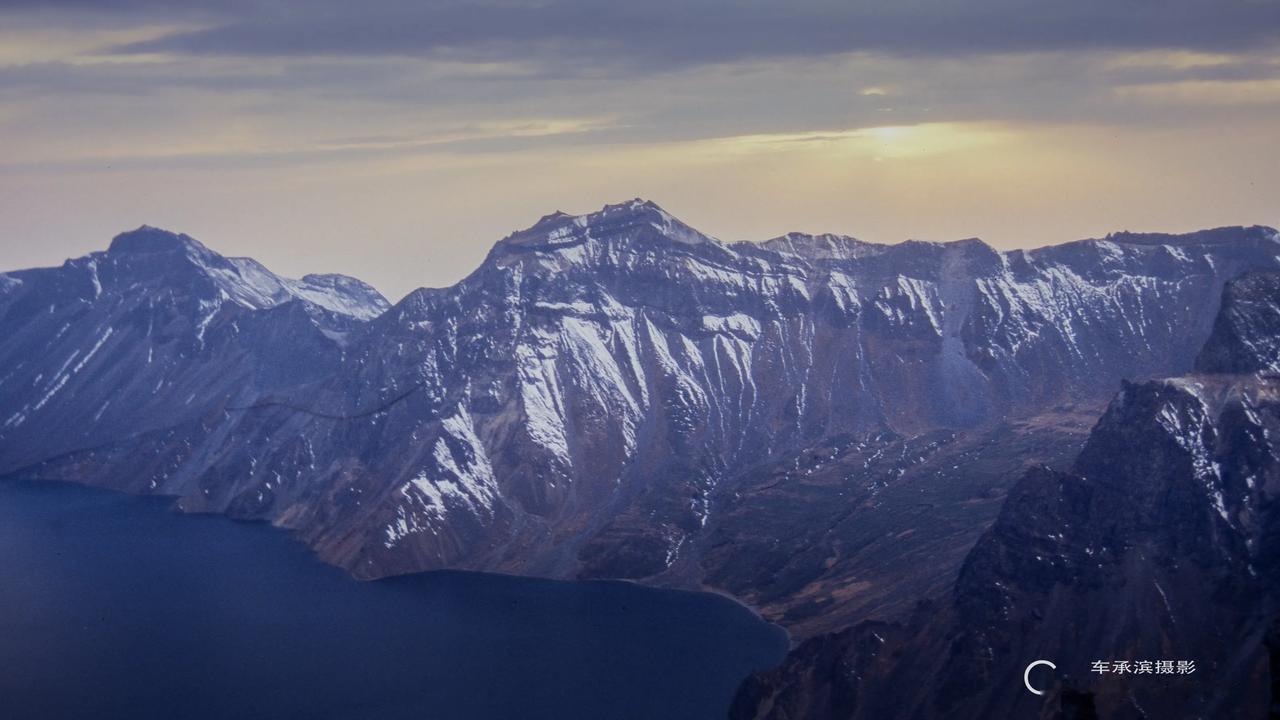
[114, 606]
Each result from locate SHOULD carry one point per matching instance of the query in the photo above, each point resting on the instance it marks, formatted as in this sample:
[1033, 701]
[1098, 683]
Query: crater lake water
[114, 606]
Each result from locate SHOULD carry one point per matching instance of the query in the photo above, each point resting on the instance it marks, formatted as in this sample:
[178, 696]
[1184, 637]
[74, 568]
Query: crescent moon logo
[1026, 675]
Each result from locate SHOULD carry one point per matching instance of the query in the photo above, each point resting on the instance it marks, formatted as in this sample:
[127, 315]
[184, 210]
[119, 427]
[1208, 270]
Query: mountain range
[915, 445]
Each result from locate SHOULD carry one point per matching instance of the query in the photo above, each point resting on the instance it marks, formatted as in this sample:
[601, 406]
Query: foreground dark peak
[1246, 334]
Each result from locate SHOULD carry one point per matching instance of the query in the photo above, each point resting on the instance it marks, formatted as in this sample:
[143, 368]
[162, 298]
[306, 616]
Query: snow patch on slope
[250, 284]
[456, 480]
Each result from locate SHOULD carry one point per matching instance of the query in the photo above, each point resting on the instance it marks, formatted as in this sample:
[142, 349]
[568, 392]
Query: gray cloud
[665, 69]
[611, 37]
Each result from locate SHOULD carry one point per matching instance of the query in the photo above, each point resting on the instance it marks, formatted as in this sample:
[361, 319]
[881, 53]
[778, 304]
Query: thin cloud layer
[465, 120]
[664, 34]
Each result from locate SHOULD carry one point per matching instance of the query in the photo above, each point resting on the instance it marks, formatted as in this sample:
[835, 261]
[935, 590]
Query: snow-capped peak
[255, 286]
[622, 220]
[153, 251]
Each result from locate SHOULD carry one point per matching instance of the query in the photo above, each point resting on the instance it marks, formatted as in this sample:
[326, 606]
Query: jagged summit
[150, 239]
[621, 220]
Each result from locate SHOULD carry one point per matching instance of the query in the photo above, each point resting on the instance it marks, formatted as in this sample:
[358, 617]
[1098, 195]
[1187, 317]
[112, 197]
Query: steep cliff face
[1160, 543]
[820, 425]
[1246, 333]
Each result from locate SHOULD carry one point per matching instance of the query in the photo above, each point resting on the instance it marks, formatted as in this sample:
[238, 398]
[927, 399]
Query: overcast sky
[396, 141]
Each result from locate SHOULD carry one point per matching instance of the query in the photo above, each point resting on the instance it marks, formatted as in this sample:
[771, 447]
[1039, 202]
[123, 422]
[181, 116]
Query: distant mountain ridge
[821, 426]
